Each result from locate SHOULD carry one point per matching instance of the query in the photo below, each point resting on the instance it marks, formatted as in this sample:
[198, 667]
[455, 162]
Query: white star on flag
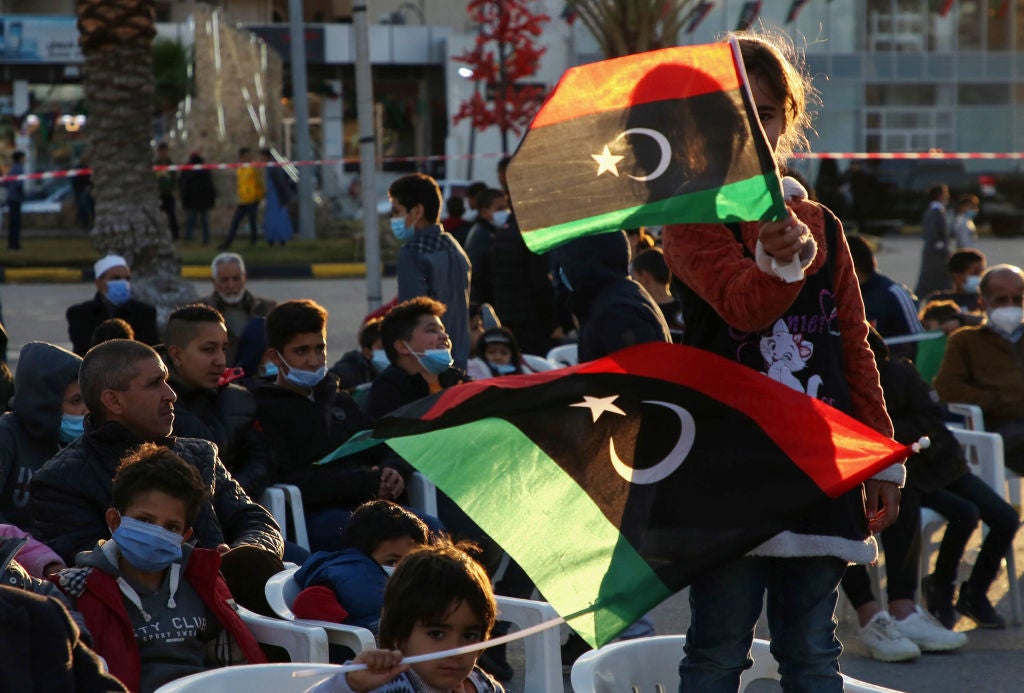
[606, 161]
[599, 405]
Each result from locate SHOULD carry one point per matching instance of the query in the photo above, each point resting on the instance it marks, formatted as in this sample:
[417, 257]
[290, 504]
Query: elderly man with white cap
[112, 300]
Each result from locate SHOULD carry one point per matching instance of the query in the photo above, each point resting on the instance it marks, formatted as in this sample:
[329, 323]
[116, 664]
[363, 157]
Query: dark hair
[401, 320]
[499, 335]
[292, 318]
[182, 324]
[456, 206]
[967, 200]
[111, 328]
[162, 145]
[474, 189]
[369, 333]
[937, 191]
[863, 255]
[430, 583]
[110, 366]
[961, 260]
[418, 189]
[652, 261]
[157, 468]
[377, 521]
[18, 156]
[242, 151]
[772, 61]
[503, 163]
[487, 197]
[940, 310]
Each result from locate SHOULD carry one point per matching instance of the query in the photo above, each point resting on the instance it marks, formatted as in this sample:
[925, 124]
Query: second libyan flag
[614, 483]
[668, 136]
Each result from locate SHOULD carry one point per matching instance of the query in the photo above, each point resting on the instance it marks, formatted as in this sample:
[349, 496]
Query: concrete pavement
[991, 662]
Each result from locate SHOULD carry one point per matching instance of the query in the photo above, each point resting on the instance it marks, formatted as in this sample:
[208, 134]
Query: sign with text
[30, 39]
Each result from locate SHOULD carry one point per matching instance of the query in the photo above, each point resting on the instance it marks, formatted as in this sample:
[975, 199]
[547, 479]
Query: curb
[315, 270]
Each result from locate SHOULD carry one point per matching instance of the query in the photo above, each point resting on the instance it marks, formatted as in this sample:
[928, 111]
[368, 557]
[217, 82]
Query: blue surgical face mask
[972, 283]
[400, 230]
[971, 213]
[119, 291]
[304, 379]
[564, 279]
[270, 369]
[500, 217]
[146, 546]
[380, 360]
[502, 368]
[434, 361]
[72, 426]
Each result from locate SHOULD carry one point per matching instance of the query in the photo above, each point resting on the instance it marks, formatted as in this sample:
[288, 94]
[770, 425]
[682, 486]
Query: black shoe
[975, 605]
[574, 648]
[939, 600]
[493, 661]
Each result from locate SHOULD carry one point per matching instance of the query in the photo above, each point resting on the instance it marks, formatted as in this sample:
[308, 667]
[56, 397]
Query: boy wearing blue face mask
[157, 607]
[305, 416]
[431, 262]
[420, 352]
[48, 414]
[112, 300]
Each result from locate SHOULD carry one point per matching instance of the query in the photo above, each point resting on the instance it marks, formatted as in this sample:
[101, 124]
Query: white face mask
[1006, 319]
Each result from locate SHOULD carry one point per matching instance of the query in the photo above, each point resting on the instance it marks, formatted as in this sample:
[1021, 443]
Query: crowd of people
[131, 465]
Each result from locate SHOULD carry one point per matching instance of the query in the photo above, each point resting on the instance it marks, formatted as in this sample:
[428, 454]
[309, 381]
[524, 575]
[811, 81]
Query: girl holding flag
[782, 297]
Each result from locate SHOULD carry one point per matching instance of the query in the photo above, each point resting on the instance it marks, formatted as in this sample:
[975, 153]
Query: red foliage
[509, 28]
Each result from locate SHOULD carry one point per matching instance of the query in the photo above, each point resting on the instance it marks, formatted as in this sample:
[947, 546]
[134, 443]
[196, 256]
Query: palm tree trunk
[116, 38]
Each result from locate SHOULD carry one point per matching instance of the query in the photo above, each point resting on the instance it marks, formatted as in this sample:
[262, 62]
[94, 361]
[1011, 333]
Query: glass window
[970, 66]
[970, 23]
[940, 66]
[983, 129]
[846, 67]
[983, 94]
[910, 66]
[998, 25]
[901, 95]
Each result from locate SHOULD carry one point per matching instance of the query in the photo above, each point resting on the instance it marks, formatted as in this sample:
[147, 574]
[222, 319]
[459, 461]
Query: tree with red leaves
[504, 52]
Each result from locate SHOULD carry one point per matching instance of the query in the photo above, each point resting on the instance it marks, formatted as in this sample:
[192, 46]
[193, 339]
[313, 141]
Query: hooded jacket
[356, 579]
[28, 435]
[614, 311]
[95, 589]
[71, 494]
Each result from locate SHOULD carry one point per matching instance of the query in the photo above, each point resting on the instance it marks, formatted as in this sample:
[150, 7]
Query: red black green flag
[668, 136]
[614, 483]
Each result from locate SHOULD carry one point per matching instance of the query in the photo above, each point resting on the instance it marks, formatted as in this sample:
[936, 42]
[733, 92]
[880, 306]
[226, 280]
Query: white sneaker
[928, 634]
[885, 642]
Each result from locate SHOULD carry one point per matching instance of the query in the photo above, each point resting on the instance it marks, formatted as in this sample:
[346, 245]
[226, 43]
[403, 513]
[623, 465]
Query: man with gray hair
[124, 385]
[232, 299]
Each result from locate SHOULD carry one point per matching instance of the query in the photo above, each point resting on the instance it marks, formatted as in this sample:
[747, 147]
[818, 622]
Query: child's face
[391, 551]
[459, 627]
[769, 111]
[306, 351]
[156, 508]
[429, 333]
[498, 354]
[203, 360]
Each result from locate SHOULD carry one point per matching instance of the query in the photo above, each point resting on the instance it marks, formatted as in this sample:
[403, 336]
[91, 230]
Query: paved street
[993, 661]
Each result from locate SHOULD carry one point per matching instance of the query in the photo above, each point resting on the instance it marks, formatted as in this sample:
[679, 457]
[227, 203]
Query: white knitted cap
[107, 263]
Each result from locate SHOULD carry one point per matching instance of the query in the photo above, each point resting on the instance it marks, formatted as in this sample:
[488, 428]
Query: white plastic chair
[284, 501]
[974, 418]
[304, 643]
[247, 678]
[565, 355]
[422, 494]
[274, 501]
[652, 664]
[538, 364]
[281, 590]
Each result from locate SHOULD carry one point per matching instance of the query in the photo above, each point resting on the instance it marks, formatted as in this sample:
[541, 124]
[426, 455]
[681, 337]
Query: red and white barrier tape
[71, 173]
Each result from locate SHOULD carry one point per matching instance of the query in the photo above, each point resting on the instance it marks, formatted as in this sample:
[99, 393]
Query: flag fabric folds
[614, 483]
[668, 136]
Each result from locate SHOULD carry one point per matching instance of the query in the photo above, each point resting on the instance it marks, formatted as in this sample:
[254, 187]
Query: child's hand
[784, 239]
[382, 666]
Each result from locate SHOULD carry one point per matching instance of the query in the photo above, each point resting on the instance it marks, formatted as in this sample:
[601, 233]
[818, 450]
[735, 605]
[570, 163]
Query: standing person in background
[197, 198]
[935, 247]
[15, 196]
[454, 223]
[431, 263]
[492, 213]
[964, 230]
[81, 190]
[277, 223]
[250, 193]
[166, 182]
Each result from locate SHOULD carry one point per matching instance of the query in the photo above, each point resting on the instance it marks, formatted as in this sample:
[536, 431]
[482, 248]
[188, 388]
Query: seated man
[305, 417]
[982, 364]
[207, 408]
[419, 350]
[232, 299]
[112, 300]
[965, 269]
[360, 366]
[124, 385]
[48, 414]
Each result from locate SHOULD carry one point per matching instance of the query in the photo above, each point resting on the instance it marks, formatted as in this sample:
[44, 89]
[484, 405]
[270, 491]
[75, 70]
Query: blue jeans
[725, 604]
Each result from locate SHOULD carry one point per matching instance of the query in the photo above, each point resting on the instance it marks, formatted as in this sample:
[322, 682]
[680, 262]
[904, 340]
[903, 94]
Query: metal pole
[300, 98]
[367, 153]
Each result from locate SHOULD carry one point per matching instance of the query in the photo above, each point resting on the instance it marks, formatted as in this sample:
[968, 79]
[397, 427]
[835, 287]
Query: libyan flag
[614, 483]
[668, 136]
